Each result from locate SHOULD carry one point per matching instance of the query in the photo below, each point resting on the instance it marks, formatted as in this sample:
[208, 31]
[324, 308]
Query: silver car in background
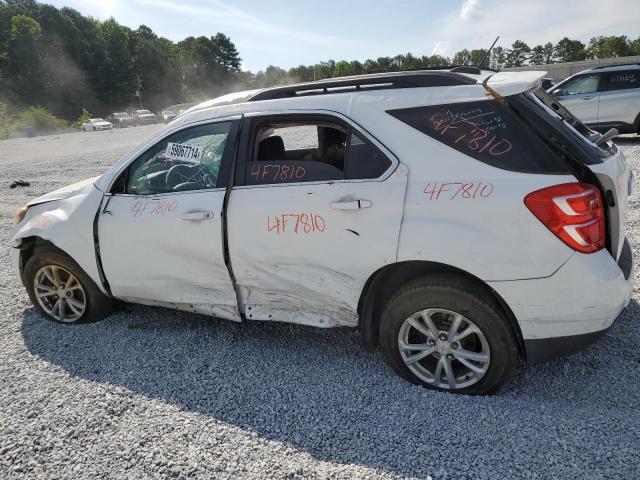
[604, 97]
[145, 117]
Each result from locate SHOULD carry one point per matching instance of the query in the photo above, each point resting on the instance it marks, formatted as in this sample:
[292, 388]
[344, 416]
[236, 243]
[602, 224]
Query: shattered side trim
[96, 244]
[236, 129]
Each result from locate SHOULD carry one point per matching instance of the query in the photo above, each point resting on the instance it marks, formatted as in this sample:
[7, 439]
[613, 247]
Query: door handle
[351, 205]
[586, 98]
[197, 216]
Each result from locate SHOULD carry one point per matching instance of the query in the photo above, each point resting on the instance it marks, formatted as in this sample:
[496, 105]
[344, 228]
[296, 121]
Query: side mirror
[556, 93]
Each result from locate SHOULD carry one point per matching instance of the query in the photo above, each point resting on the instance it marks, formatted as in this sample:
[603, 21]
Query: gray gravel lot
[153, 393]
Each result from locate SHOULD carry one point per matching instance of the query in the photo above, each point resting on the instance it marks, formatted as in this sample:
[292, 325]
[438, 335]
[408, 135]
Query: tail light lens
[573, 212]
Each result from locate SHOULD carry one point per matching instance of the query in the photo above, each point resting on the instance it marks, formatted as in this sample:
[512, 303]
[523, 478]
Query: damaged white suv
[460, 220]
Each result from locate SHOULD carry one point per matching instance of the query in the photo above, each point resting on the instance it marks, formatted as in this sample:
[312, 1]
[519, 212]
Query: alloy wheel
[59, 293]
[444, 348]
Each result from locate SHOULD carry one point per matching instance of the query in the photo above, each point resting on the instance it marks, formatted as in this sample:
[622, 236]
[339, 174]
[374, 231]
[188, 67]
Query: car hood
[64, 192]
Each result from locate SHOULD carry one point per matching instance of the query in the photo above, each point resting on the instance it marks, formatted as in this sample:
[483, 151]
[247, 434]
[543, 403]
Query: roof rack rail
[410, 79]
[615, 65]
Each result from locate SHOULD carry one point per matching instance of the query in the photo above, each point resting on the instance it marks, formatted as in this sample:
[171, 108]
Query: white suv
[461, 221]
[604, 97]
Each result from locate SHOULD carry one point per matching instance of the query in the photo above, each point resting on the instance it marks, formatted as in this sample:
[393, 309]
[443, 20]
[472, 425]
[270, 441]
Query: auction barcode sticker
[185, 153]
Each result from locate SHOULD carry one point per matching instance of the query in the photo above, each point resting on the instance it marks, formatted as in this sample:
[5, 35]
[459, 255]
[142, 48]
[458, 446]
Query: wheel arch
[384, 282]
[29, 245]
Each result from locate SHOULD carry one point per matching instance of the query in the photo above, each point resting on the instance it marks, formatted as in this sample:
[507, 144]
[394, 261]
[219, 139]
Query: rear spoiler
[510, 83]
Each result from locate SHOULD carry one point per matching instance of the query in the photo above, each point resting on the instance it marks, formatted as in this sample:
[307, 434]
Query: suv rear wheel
[61, 290]
[440, 331]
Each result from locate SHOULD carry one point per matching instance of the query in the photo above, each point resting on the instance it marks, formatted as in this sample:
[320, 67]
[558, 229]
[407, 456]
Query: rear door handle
[197, 216]
[586, 98]
[351, 205]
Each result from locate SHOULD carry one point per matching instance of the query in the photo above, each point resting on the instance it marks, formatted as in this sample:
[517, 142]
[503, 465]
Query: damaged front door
[160, 231]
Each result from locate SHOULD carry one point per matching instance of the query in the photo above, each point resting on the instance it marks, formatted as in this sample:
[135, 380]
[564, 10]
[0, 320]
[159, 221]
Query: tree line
[65, 62]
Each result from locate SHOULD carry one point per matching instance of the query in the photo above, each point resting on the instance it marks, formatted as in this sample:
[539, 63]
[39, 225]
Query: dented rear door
[303, 242]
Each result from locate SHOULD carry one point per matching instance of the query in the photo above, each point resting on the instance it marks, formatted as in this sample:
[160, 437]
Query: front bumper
[14, 254]
[565, 312]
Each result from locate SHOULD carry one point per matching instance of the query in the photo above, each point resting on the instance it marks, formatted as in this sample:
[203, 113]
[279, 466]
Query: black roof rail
[615, 65]
[380, 81]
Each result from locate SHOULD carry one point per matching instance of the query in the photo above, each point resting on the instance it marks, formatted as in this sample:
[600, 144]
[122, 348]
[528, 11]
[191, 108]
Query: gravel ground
[153, 393]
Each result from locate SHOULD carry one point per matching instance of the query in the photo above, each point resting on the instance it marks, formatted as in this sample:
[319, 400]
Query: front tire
[442, 332]
[61, 290]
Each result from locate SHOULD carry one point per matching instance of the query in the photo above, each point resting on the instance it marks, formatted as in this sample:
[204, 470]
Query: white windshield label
[185, 153]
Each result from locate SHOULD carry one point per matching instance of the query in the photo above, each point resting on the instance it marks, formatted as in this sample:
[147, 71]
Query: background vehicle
[458, 227]
[96, 124]
[604, 97]
[145, 117]
[122, 119]
[167, 115]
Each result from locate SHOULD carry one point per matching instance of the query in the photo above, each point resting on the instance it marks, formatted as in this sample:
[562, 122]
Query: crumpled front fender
[67, 224]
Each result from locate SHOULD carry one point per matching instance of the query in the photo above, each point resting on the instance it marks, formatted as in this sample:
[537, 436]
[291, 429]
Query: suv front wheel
[61, 290]
[441, 331]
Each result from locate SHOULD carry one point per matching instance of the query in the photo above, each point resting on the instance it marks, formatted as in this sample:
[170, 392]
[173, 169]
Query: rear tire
[477, 357]
[61, 290]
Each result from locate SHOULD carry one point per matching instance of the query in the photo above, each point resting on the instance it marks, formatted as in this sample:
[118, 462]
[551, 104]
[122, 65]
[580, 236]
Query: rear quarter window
[622, 80]
[487, 131]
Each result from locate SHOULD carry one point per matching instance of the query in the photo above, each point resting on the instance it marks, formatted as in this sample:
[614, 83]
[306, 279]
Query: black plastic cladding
[382, 81]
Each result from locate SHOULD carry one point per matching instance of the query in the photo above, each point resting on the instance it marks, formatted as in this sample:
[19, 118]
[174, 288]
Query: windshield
[143, 112]
[97, 120]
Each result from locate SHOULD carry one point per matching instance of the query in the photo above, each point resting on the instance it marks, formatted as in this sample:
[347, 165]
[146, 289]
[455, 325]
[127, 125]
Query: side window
[303, 151]
[310, 151]
[365, 160]
[622, 80]
[486, 131]
[187, 160]
[581, 85]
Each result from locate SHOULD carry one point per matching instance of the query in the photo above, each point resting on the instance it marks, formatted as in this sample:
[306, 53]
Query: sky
[295, 32]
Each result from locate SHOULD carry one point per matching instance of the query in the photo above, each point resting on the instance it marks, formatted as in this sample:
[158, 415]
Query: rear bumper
[540, 350]
[565, 312]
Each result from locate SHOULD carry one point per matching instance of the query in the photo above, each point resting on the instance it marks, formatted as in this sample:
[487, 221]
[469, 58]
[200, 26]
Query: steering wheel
[197, 176]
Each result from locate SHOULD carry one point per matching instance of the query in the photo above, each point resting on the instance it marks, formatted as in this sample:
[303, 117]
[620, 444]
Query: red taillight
[573, 212]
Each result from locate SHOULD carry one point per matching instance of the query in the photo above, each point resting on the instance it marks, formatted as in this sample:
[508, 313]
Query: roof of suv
[353, 84]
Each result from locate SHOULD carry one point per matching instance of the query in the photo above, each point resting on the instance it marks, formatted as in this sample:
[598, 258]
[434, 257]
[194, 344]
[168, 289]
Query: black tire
[97, 306]
[463, 296]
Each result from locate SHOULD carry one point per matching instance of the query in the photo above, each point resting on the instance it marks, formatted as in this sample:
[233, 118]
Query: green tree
[343, 69]
[518, 54]
[548, 52]
[568, 50]
[84, 117]
[498, 58]
[537, 55]
[634, 47]
[23, 60]
[615, 47]
[463, 57]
